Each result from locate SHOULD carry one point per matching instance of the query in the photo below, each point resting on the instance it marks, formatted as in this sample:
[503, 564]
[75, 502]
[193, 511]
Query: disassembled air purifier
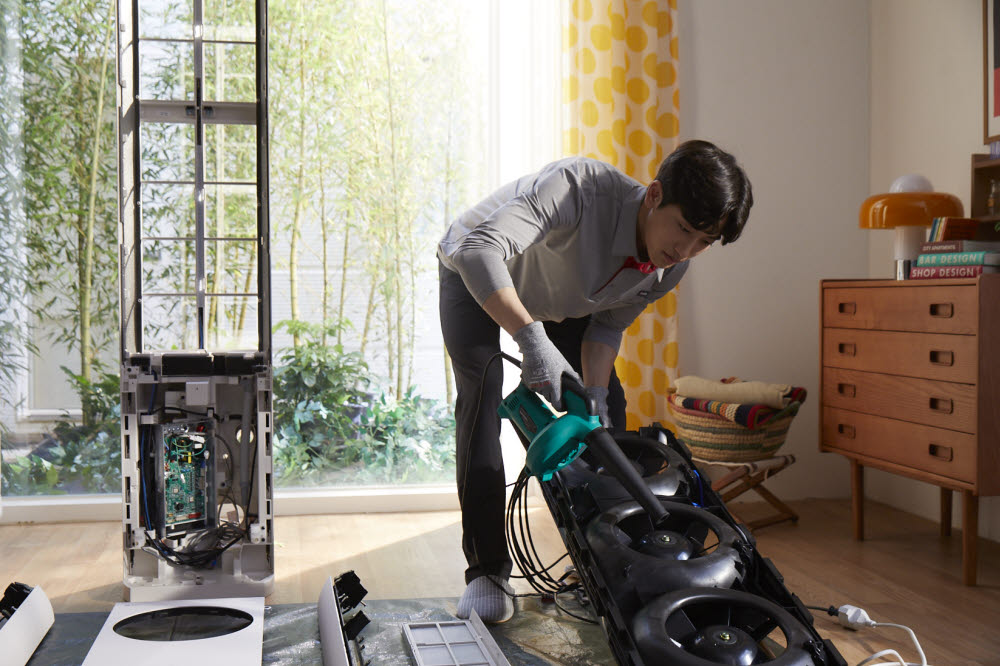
[196, 365]
[25, 617]
[338, 634]
[686, 588]
[198, 514]
[229, 631]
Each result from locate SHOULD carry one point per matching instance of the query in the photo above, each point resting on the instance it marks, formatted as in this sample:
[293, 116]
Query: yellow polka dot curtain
[620, 100]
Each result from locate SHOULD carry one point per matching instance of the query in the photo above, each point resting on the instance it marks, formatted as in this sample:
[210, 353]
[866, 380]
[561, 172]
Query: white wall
[926, 117]
[783, 85]
[824, 103]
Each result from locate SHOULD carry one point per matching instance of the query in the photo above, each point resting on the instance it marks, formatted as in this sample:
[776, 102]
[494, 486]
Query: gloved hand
[542, 364]
[600, 396]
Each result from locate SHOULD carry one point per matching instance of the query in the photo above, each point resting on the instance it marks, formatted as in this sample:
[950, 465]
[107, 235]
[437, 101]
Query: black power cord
[475, 420]
[523, 551]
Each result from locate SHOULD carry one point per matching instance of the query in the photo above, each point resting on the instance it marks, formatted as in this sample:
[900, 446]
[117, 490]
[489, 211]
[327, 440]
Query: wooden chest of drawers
[911, 385]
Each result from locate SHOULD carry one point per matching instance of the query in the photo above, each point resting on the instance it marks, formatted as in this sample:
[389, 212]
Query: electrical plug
[853, 617]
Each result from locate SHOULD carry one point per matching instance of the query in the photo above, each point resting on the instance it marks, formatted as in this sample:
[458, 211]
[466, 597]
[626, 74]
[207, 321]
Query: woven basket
[713, 437]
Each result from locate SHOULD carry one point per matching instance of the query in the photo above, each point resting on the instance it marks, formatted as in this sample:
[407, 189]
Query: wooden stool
[739, 477]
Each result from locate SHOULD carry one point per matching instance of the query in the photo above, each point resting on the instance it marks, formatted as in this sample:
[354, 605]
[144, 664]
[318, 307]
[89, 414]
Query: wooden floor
[903, 573]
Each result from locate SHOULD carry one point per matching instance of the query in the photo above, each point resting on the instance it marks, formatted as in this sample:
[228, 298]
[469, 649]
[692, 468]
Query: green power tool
[554, 441]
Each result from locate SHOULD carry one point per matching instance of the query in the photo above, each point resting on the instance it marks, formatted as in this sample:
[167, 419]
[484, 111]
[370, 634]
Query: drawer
[903, 308]
[940, 404]
[950, 358]
[943, 452]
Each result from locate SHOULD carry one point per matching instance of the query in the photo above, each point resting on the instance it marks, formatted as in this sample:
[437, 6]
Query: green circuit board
[185, 464]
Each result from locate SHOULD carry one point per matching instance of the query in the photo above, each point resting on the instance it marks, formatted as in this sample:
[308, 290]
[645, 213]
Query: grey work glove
[600, 396]
[542, 364]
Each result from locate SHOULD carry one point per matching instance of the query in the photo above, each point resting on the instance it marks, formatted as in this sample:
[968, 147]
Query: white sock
[490, 597]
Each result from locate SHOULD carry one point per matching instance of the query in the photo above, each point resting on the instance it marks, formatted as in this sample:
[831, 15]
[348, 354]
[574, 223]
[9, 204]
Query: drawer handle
[945, 310]
[848, 390]
[942, 357]
[847, 308]
[944, 453]
[846, 430]
[847, 348]
[944, 405]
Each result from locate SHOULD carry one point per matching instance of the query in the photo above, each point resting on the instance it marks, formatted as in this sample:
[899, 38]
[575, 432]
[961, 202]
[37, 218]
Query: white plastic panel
[243, 647]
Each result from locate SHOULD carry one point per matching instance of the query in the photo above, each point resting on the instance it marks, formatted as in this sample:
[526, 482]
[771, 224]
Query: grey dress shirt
[561, 238]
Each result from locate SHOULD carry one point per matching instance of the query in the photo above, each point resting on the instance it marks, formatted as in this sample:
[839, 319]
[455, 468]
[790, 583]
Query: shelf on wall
[984, 170]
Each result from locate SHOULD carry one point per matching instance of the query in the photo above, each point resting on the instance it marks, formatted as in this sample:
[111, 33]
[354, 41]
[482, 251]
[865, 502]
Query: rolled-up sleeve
[483, 271]
[598, 331]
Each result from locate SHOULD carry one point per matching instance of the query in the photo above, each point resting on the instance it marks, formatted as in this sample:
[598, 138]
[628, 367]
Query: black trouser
[472, 338]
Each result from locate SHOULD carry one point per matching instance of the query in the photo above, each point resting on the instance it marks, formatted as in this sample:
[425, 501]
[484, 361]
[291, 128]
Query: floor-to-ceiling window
[387, 118]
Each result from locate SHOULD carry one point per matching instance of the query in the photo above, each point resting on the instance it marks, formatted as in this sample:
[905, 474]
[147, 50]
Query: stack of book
[958, 247]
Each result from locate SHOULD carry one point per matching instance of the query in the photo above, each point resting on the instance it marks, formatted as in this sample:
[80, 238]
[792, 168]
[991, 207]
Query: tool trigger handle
[570, 384]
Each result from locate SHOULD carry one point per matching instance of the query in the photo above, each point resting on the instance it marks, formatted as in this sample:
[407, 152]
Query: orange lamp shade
[907, 209]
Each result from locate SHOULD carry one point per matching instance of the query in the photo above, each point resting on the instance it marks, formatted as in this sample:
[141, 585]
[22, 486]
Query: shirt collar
[623, 244]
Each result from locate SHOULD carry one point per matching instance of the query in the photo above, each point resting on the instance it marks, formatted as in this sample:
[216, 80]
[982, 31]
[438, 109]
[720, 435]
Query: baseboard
[92, 508]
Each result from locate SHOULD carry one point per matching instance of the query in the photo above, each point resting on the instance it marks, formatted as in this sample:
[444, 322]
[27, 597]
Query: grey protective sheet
[538, 634]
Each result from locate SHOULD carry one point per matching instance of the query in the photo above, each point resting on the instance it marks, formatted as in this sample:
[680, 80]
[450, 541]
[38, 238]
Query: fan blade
[707, 613]
[680, 628]
[754, 621]
[697, 531]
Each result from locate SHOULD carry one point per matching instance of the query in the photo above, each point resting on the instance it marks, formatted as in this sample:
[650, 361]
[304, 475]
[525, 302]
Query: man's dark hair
[713, 192]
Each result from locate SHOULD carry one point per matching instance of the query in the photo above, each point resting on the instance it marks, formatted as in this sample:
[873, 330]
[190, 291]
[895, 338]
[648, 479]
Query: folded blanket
[776, 396]
[749, 416]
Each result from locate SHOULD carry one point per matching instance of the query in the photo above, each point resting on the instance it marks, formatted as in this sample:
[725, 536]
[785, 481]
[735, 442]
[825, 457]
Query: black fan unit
[690, 548]
[708, 627]
[697, 568]
[665, 472]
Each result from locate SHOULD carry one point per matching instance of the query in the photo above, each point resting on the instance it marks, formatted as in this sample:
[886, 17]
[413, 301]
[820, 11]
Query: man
[564, 260]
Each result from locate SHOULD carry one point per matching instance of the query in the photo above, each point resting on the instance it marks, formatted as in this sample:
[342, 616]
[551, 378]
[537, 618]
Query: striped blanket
[749, 416]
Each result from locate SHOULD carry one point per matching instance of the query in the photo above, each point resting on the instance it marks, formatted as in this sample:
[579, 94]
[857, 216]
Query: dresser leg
[970, 534]
[945, 512]
[858, 499]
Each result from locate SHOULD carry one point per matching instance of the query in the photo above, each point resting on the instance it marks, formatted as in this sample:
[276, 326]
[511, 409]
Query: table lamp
[909, 208]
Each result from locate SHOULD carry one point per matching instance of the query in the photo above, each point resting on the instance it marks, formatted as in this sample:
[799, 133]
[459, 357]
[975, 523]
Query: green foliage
[316, 389]
[99, 397]
[81, 457]
[331, 426]
[30, 475]
[409, 440]
[86, 459]
[391, 167]
[373, 131]
[70, 198]
[15, 282]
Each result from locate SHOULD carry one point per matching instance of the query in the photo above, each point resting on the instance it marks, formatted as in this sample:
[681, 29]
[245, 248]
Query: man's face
[669, 239]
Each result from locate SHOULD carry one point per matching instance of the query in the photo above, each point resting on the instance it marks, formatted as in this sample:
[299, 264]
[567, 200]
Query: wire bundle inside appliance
[198, 548]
